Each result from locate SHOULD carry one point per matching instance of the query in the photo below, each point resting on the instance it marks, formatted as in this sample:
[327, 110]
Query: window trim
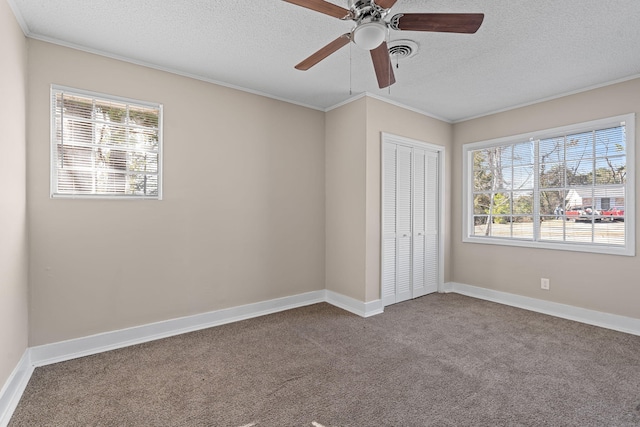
[53, 194]
[630, 216]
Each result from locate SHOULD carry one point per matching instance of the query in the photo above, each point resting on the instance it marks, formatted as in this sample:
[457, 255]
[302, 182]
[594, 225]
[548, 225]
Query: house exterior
[602, 198]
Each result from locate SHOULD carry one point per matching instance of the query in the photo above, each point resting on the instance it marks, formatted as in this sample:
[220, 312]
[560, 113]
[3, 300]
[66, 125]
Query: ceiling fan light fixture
[370, 35]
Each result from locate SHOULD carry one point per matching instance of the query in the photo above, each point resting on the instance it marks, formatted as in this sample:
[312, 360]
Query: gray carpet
[440, 360]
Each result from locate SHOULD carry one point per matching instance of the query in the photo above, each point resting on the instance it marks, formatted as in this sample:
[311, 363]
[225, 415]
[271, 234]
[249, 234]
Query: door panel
[403, 283]
[432, 229]
[389, 258]
[418, 212]
[403, 223]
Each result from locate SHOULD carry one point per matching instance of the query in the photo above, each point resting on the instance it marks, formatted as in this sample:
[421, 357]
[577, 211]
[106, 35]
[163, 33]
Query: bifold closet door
[410, 223]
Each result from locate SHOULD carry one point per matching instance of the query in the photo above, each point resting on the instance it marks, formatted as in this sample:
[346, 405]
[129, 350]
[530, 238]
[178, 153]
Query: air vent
[402, 49]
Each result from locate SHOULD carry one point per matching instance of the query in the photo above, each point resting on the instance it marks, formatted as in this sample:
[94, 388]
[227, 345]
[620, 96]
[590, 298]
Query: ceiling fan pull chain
[350, 72]
[390, 64]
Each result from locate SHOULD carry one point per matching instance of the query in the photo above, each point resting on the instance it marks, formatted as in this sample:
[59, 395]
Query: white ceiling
[526, 50]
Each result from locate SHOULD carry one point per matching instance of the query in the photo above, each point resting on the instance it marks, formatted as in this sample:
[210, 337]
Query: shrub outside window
[104, 146]
[569, 188]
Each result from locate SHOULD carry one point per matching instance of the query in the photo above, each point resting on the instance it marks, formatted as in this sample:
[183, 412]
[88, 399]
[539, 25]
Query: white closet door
[403, 224]
[410, 222]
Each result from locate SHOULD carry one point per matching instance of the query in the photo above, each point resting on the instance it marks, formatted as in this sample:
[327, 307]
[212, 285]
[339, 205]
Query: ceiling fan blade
[341, 41]
[386, 4]
[466, 23]
[322, 7]
[382, 65]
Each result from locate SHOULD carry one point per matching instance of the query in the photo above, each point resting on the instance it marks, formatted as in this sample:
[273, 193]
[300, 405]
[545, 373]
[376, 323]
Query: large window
[568, 188]
[104, 146]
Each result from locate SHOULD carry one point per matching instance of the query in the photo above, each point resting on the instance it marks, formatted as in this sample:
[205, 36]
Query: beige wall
[242, 220]
[604, 283]
[13, 216]
[353, 147]
[345, 148]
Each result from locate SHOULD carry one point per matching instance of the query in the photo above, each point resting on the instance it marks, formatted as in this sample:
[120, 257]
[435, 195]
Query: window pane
[500, 204]
[480, 225]
[611, 170]
[610, 233]
[552, 228]
[72, 156]
[481, 160]
[482, 181]
[110, 111]
[579, 146]
[481, 203]
[77, 132]
[551, 175]
[610, 142]
[551, 150]
[523, 203]
[523, 228]
[492, 169]
[143, 162]
[111, 134]
[143, 117]
[111, 159]
[552, 203]
[142, 185]
[579, 172]
[72, 181]
[110, 182]
[579, 231]
[74, 106]
[522, 177]
[523, 154]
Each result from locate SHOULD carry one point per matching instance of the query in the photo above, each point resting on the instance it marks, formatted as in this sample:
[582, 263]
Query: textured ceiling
[524, 51]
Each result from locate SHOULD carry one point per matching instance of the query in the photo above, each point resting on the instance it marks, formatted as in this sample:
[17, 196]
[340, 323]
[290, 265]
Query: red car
[582, 213]
[613, 214]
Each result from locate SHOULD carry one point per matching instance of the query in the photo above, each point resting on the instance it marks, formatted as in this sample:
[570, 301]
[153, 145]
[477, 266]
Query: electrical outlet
[544, 284]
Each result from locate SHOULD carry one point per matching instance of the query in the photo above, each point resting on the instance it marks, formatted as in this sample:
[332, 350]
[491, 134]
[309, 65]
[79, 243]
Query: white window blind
[104, 146]
[566, 188]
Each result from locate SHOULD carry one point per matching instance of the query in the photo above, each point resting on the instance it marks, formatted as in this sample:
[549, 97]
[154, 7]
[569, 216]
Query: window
[569, 188]
[104, 146]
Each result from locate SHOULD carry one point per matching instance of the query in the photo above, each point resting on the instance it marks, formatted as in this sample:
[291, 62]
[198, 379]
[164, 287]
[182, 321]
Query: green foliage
[523, 205]
[501, 206]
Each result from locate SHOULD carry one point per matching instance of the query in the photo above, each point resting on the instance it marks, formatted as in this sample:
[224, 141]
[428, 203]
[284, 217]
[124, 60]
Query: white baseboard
[615, 322]
[14, 387]
[71, 349]
[362, 309]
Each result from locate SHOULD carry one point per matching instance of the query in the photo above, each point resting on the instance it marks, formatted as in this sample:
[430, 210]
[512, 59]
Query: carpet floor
[439, 360]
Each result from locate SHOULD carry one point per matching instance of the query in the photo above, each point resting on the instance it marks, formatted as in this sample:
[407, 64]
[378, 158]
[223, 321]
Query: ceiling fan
[371, 29]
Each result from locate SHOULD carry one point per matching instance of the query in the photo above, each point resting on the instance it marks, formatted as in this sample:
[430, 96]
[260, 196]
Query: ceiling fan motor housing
[361, 9]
